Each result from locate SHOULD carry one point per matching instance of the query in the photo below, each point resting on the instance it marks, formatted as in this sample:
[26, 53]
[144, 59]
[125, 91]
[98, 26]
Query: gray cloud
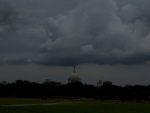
[75, 32]
[22, 24]
[9, 18]
[16, 60]
[102, 32]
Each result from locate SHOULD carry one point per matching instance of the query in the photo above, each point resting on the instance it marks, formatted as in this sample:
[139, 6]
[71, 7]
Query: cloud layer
[62, 33]
[78, 32]
[99, 31]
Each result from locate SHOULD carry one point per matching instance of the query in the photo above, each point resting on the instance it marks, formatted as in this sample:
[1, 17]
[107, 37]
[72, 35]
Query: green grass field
[18, 105]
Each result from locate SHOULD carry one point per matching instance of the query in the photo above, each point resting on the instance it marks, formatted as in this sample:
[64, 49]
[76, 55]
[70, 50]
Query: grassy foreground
[18, 105]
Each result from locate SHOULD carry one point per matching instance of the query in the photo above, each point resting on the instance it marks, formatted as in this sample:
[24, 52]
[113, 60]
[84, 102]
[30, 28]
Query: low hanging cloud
[98, 31]
[9, 18]
[15, 60]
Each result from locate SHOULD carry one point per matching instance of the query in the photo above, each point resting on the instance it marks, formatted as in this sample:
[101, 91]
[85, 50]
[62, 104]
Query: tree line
[52, 89]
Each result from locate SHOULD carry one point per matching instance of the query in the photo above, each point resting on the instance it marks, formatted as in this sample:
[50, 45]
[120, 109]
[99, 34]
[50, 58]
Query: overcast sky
[108, 39]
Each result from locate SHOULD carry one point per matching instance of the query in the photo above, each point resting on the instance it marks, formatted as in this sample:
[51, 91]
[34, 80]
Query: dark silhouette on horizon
[52, 89]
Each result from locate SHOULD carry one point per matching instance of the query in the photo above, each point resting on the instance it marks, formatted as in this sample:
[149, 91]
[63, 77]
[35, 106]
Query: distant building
[74, 77]
[99, 83]
[107, 83]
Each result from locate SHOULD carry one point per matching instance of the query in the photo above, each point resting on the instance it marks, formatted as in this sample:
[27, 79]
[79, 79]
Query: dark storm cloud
[9, 18]
[21, 32]
[99, 31]
[16, 61]
[60, 33]
[22, 23]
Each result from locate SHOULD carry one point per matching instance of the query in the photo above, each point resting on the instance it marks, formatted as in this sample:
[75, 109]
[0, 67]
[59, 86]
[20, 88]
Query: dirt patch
[45, 104]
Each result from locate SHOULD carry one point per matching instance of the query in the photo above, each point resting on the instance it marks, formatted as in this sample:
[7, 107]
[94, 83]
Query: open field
[18, 105]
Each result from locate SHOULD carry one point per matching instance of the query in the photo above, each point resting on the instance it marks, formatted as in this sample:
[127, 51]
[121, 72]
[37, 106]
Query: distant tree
[2, 90]
[19, 82]
[74, 90]
[51, 88]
